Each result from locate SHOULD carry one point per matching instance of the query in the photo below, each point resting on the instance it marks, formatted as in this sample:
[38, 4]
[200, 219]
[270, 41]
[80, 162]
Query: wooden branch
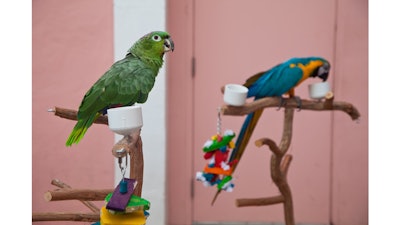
[137, 166]
[280, 162]
[287, 130]
[77, 194]
[72, 115]
[133, 145]
[271, 144]
[65, 186]
[329, 100]
[287, 159]
[270, 102]
[259, 201]
[62, 216]
[279, 166]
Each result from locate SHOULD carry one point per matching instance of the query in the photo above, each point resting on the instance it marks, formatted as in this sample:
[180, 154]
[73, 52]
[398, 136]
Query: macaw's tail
[241, 142]
[244, 136]
[80, 129]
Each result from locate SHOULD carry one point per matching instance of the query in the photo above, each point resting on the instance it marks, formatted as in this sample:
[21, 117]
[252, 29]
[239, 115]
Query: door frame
[180, 67]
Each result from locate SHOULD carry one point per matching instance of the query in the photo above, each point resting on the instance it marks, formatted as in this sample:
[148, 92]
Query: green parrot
[127, 82]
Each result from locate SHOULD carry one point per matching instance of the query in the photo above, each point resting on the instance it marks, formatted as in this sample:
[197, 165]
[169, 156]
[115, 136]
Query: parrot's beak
[168, 45]
[322, 72]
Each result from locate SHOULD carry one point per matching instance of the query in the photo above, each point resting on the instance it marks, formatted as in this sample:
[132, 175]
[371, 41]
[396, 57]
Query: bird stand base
[134, 218]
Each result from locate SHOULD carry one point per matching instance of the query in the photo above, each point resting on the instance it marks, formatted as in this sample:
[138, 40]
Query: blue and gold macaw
[277, 81]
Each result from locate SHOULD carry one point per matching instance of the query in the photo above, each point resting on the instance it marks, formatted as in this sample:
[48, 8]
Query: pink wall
[334, 189]
[350, 142]
[72, 47]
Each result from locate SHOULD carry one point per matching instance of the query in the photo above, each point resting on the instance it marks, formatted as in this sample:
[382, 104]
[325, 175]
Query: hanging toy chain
[121, 153]
[123, 183]
[219, 121]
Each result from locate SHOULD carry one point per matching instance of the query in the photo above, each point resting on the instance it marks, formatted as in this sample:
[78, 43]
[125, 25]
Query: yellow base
[134, 218]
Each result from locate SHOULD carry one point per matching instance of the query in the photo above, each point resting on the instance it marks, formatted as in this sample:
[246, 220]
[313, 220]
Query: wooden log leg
[288, 207]
[285, 190]
[133, 146]
[137, 164]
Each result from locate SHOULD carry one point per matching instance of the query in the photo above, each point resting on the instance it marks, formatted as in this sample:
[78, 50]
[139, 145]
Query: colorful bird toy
[218, 169]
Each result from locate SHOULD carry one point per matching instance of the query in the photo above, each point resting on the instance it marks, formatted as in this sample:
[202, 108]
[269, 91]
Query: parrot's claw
[299, 103]
[282, 102]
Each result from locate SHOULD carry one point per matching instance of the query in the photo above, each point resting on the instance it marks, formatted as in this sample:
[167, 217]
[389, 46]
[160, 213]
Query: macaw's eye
[156, 38]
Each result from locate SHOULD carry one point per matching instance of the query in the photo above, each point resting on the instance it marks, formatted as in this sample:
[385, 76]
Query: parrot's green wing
[127, 82]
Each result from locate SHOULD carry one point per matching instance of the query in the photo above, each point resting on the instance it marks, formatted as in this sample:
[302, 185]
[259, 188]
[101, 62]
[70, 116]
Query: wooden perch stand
[280, 161]
[132, 144]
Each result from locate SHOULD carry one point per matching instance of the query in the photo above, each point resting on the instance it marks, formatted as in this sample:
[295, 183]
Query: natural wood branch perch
[287, 159]
[259, 201]
[279, 166]
[72, 115]
[269, 102]
[62, 216]
[133, 145]
[272, 145]
[137, 166]
[77, 194]
[65, 186]
[280, 162]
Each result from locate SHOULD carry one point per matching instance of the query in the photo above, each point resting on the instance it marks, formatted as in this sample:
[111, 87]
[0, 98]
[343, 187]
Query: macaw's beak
[168, 45]
[323, 72]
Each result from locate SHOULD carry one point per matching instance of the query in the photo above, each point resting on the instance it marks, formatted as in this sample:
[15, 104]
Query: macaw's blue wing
[274, 82]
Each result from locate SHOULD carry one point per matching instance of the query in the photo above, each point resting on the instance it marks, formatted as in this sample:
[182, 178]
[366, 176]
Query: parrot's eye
[156, 38]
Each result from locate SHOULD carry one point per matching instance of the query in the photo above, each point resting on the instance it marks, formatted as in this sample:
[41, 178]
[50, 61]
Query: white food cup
[125, 120]
[318, 90]
[235, 94]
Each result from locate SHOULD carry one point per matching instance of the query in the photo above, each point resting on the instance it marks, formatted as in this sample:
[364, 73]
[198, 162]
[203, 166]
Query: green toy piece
[217, 141]
[135, 203]
[225, 183]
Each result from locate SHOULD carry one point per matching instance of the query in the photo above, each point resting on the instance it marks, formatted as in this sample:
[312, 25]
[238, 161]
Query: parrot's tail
[80, 129]
[244, 136]
[241, 142]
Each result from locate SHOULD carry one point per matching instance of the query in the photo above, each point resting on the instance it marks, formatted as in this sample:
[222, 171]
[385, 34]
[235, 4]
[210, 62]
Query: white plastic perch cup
[125, 120]
[235, 94]
[318, 90]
